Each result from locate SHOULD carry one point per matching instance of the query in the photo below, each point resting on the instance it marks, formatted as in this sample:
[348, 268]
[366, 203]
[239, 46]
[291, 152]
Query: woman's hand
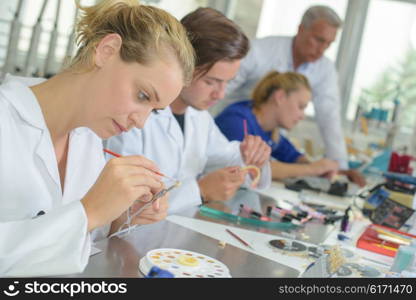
[324, 167]
[354, 176]
[153, 213]
[122, 181]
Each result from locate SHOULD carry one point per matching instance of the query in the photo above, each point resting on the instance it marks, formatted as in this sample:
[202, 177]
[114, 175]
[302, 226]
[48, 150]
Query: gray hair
[321, 12]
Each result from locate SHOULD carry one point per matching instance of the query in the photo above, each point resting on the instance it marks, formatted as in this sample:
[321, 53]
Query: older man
[304, 54]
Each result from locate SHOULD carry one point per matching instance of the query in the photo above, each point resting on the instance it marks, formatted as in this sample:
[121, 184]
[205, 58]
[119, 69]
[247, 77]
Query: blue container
[384, 114]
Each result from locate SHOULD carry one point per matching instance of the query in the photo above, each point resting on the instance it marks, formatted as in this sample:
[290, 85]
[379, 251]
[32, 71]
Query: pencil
[393, 234]
[395, 240]
[118, 155]
[112, 153]
[245, 127]
[238, 238]
[384, 247]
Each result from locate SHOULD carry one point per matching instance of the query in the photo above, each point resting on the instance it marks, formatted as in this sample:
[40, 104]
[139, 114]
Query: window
[30, 13]
[5, 16]
[65, 24]
[386, 67]
[246, 14]
[28, 17]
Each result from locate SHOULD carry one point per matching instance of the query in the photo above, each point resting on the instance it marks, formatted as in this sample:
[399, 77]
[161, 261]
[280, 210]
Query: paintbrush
[158, 173]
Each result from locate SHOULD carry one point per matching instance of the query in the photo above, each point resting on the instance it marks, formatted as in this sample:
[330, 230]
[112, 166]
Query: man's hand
[222, 184]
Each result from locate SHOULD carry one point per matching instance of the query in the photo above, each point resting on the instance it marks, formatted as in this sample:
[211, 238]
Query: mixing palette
[184, 263]
[288, 247]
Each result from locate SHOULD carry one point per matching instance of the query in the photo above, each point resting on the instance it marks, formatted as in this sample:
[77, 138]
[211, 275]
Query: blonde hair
[273, 81]
[147, 33]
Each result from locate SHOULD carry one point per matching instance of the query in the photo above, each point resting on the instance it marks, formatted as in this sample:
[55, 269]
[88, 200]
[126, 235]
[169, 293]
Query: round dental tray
[184, 263]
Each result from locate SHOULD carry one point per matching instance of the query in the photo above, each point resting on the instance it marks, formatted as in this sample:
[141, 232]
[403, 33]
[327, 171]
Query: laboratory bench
[194, 231]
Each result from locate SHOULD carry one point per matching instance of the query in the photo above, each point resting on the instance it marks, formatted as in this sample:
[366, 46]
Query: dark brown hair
[214, 38]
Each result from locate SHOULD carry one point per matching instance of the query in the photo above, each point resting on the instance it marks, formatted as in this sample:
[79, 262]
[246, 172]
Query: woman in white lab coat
[55, 187]
[194, 150]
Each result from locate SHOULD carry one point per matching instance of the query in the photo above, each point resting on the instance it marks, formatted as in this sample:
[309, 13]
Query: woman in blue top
[279, 100]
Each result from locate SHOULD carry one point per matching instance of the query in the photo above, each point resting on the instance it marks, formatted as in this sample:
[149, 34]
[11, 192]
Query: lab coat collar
[289, 54]
[192, 112]
[290, 65]
[26, 104]
[190, 118]
[21, 97]
[167, 112]
[173, 128]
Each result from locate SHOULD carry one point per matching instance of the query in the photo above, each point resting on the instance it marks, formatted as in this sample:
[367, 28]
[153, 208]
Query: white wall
[180, 8]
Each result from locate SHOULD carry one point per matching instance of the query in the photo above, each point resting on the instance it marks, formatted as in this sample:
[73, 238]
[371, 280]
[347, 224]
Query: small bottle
[404, 259]
[412, 268]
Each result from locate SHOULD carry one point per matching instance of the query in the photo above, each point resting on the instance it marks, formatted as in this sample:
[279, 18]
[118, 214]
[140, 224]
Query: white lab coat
[56, 242]
[202, 149]
[275, 53]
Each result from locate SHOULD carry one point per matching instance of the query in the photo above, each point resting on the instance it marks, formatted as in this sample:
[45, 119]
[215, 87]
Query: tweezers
[156, 196]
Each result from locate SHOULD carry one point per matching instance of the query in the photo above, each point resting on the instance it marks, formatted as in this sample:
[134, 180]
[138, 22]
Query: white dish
[183, 263]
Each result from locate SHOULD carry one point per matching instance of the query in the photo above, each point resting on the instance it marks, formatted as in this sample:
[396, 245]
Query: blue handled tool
[156, 272]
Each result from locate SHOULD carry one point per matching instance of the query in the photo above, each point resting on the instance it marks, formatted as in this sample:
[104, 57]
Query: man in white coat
[183, 139]
[304, 54]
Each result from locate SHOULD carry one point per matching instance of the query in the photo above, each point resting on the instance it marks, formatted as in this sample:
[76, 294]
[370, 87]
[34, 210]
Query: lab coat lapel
[30, 112]
[72, 163]
[174, 130]
[189, 129]
[194, 153]
[45, 152]
[84, 156]
[289, 55]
